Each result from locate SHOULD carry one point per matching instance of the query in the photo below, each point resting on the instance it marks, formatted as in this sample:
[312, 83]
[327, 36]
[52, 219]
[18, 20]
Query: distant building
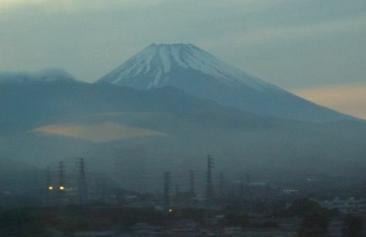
[95, 234]
[346, 206]
[290, 191]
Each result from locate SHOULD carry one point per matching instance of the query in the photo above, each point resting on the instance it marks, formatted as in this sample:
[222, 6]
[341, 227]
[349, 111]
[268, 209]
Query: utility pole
[248, 178]
[241, 188]
[209, 184]
[167, 181]
[60, 188]
[83, 185]
[177, 190]
[221, 185]
[49, 186]
[191, 183]
[48, 179]
[61, 173]
[248, 189]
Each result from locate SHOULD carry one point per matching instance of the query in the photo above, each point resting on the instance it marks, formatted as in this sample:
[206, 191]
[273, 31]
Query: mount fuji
[165, 109]
[199, 73]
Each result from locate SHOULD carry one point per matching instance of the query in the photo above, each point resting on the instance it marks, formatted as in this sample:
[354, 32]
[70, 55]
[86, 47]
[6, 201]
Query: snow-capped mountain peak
[158, 61]
[199, 73]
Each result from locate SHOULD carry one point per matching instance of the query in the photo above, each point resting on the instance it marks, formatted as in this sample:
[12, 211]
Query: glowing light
[62, 188]
[50, 188]
[170, 210]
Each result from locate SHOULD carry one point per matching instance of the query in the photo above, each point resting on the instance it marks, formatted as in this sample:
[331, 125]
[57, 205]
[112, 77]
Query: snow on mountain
[47, 75]
[159, 60]
[199, 73]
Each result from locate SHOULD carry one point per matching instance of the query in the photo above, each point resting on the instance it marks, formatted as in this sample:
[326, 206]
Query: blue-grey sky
[301, 45]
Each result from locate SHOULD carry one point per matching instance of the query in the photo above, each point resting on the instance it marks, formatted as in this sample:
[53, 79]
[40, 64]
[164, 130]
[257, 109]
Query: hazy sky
[306, 46]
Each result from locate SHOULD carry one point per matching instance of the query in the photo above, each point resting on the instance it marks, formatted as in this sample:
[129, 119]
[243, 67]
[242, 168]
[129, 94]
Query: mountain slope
[197, 72]
[185, 129]
[26, 105]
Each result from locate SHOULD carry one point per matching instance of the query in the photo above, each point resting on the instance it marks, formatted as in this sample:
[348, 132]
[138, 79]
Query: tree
[353, 226]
